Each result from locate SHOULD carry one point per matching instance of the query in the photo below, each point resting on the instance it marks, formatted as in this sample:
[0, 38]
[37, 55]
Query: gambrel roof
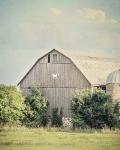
[95, 69]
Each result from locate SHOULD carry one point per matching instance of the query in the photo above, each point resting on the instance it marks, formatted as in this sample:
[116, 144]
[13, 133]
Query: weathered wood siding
[114, 90]
[58, 90]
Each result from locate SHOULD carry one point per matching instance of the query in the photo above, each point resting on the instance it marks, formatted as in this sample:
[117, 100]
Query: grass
[44, 139]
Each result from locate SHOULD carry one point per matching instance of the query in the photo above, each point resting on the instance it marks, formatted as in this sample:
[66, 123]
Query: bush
[94, 110]
[113, 119]
[57, 118]
[78, 121]
[36, 108]
[11, 105]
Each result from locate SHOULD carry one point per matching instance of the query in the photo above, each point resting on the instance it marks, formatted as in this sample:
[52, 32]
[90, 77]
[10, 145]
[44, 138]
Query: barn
[59, 73]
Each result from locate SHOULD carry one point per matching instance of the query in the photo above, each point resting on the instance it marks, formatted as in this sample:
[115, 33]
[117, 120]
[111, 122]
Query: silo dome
[113, 85]
[113, 77]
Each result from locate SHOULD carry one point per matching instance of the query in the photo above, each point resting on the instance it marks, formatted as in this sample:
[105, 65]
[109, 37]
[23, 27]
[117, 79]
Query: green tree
[113, 119]
[94, 110]
[56, 117]
[36, 108]
[11, 105]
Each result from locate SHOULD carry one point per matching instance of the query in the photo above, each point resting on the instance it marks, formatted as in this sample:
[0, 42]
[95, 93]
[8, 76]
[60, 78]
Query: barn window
[48, 58]
[103, 87]
[54, 58]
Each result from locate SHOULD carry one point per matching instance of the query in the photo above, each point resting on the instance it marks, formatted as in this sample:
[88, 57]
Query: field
[43, 139]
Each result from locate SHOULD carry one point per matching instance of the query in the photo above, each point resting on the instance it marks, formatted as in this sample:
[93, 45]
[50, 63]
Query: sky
[29, 28]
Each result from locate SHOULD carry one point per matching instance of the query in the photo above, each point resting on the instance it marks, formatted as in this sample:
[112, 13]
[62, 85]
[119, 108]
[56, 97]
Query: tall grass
[22, 138]
[53, 129]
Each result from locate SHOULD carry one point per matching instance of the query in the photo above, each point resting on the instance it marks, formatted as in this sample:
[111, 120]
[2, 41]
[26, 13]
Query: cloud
[96, 15]
[56, 11]
[92, 14]
[93, 26]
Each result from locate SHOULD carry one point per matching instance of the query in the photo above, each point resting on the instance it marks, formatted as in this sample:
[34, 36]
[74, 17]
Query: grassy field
[40, 139]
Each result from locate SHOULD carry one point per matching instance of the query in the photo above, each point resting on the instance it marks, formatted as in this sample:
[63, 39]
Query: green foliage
[78, 121]
[36, 108]
[11, 105]
[114, 116]
[94, 110]
[57, 118]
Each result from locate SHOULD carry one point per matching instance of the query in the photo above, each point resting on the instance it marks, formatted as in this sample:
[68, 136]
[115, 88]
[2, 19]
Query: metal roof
[95, 69]
[113, 77]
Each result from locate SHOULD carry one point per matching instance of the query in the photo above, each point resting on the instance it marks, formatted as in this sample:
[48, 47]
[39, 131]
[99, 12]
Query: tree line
[88, 110]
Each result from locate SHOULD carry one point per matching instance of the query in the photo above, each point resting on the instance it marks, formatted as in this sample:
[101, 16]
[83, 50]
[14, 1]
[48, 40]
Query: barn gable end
[58, 77]
[43, 72]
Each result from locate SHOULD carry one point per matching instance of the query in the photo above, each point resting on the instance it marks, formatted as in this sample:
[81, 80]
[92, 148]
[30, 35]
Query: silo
[113, 85]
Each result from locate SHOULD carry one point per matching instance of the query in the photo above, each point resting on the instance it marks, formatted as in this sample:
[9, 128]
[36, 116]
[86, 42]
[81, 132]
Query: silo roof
[113, 77]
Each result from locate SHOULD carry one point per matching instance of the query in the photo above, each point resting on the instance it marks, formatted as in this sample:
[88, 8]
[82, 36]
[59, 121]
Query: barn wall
[67, 74]
[57, 80]
[57, 97]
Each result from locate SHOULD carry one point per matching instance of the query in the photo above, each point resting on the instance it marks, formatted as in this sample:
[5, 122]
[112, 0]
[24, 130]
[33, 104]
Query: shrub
[94, 110]
[78, 121]
[11, 105]
[113, 119]
[57, 118]
[36, 108]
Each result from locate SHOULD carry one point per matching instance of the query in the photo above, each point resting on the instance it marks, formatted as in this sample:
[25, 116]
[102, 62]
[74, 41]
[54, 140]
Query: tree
[113, 119]
[57, 117]
[36, 108]
[94, 110]
[11, 105]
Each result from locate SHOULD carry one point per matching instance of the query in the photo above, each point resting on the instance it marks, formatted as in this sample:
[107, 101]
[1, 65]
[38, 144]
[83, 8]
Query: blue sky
[30, 27]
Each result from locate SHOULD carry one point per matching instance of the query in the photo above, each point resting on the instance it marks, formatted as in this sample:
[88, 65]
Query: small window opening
[48, 58]
[103, 87]
[54, 58]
